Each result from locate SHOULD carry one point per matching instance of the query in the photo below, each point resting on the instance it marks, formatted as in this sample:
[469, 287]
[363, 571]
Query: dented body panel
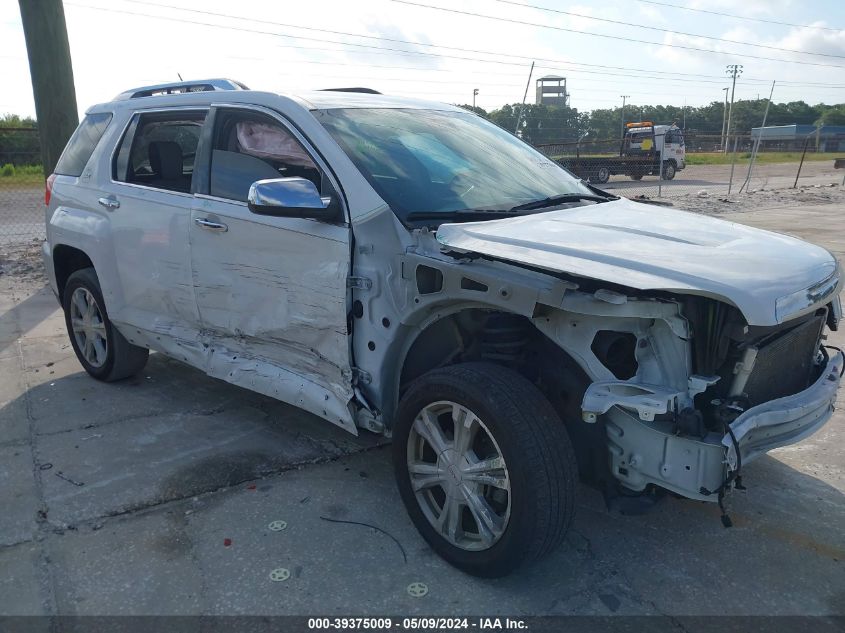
[601, 301]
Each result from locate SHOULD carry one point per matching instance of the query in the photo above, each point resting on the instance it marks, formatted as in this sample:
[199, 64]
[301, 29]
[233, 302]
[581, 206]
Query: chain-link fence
[21, 186]
[705, 165]
[673, 164]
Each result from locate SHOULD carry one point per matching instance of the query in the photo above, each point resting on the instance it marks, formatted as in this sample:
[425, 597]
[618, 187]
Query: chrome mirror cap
[289, 197]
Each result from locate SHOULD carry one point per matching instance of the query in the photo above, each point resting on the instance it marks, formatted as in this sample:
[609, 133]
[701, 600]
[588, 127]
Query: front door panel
[272, 300]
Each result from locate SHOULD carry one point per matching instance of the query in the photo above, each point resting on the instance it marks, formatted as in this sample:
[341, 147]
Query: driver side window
[249, 146]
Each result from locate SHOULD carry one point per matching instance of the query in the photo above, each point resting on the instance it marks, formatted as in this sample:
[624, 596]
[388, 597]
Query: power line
[380, 49]
[740, 17]
[611, 37]
[672, 31]
[388, 39]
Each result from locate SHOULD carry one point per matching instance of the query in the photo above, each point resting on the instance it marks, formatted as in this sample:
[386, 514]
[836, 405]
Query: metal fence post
[733, 164]
[660, 170]
[801, 164]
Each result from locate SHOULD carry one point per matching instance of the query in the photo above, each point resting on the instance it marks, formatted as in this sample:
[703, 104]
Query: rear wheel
[484, 466]
[100, 348]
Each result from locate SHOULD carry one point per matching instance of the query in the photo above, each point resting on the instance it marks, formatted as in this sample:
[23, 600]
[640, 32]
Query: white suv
[411, 269]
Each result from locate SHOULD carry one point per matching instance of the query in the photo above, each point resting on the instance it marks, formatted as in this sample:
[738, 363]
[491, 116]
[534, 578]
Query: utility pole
[52, 76]
[524, 97]
[474, 94]
[622, 126]
[723, 141]
[733, 70]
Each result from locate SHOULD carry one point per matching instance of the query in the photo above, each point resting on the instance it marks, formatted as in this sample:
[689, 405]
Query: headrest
[166, 159]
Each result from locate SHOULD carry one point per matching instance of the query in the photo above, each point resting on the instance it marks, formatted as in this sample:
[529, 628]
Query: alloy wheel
[459, 476]
[89, 327]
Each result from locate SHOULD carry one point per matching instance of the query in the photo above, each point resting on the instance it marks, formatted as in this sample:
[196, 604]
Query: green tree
[832, 116]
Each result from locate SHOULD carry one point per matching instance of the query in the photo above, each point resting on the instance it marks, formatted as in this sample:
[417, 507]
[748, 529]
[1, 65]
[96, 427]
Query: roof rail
[181, 87]
[368, 91]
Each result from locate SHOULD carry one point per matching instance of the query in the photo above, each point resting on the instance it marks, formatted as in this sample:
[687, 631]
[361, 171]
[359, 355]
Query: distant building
[551, 90]
[827, 138]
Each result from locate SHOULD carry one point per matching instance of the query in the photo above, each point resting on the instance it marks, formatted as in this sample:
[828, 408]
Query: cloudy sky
[674, 51]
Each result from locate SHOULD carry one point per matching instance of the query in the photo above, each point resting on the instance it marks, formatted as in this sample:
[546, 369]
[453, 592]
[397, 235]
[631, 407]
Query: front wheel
[484, 466]
[669, 170]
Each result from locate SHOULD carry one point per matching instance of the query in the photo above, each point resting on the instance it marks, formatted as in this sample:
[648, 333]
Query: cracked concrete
[155, 496]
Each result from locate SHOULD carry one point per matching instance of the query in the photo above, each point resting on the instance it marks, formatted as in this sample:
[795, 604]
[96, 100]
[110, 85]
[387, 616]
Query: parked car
[411, 269]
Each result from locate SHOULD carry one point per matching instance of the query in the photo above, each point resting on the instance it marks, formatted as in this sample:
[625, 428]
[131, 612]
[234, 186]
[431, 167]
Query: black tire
[122, 359]
[601, 176]
[669, 170]
[540, 462]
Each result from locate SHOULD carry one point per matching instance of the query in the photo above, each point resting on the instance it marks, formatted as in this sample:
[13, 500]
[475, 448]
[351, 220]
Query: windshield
[430, 161]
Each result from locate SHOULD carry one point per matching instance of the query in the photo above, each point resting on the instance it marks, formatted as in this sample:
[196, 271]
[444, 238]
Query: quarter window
[249, 146]
[81, 145]
[159, 149]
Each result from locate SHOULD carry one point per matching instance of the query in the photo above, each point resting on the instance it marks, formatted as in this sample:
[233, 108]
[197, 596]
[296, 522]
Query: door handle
[205, 223]
[110, 203]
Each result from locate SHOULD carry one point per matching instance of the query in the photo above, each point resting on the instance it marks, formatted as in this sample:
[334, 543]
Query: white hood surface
[648, 247]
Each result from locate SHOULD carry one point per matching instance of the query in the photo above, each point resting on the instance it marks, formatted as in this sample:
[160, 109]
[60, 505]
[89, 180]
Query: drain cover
[280, 574]
[278, 526]
[417, 589]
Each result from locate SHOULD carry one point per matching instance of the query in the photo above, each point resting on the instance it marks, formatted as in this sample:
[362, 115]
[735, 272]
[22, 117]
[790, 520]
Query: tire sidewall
[88, 279]
[669, 171]
[602, 175]
[507, 551]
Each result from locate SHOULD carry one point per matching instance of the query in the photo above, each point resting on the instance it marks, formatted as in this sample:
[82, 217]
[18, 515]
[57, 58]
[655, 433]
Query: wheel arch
[66, 261]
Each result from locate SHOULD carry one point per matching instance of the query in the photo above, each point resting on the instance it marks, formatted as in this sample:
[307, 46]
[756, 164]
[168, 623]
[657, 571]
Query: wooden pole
[52, 76]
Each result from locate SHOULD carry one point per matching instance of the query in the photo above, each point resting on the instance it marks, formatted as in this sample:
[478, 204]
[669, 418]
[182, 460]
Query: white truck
[646, 149]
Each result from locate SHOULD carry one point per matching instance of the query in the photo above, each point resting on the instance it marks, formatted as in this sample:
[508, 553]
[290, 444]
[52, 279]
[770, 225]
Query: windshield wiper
[555, 200]
[463, 214]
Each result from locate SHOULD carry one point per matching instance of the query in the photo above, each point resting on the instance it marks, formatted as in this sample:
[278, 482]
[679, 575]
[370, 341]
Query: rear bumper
[47, 256]
[786, 420]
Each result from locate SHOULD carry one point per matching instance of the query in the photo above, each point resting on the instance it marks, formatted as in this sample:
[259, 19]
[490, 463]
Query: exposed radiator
[784, 366]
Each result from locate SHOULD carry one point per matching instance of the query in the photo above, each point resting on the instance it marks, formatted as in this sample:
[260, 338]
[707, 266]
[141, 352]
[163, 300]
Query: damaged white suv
[411, 269]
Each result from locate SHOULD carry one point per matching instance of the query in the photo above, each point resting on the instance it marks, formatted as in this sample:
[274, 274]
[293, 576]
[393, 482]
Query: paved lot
[155, 496]
[715, 178]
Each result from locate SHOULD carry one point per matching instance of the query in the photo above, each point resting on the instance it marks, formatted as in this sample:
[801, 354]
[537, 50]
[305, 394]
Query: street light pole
[724, 118]
[474, 93]
[622, 126]
[733, 70]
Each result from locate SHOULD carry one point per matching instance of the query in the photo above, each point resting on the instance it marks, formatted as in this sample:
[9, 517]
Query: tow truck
[646, 149]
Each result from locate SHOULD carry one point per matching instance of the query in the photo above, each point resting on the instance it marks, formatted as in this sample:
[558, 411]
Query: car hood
[649, 247]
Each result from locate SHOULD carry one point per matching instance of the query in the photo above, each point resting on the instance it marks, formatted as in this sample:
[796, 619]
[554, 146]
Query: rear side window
[81, 145]
[159, 150]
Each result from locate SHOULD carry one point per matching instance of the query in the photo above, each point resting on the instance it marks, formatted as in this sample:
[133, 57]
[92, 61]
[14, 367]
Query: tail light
[48, 188]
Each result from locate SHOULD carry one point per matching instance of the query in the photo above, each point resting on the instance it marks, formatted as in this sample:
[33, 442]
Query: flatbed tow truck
[646, 150]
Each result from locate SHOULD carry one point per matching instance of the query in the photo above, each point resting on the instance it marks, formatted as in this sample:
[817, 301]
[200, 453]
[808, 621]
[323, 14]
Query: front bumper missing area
[647, 451]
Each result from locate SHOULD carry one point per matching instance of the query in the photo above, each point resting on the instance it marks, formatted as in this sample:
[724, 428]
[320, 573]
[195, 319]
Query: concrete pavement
[156, 496]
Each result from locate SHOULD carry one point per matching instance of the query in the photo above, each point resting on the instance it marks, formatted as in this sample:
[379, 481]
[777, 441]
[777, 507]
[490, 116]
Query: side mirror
[290, 198]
